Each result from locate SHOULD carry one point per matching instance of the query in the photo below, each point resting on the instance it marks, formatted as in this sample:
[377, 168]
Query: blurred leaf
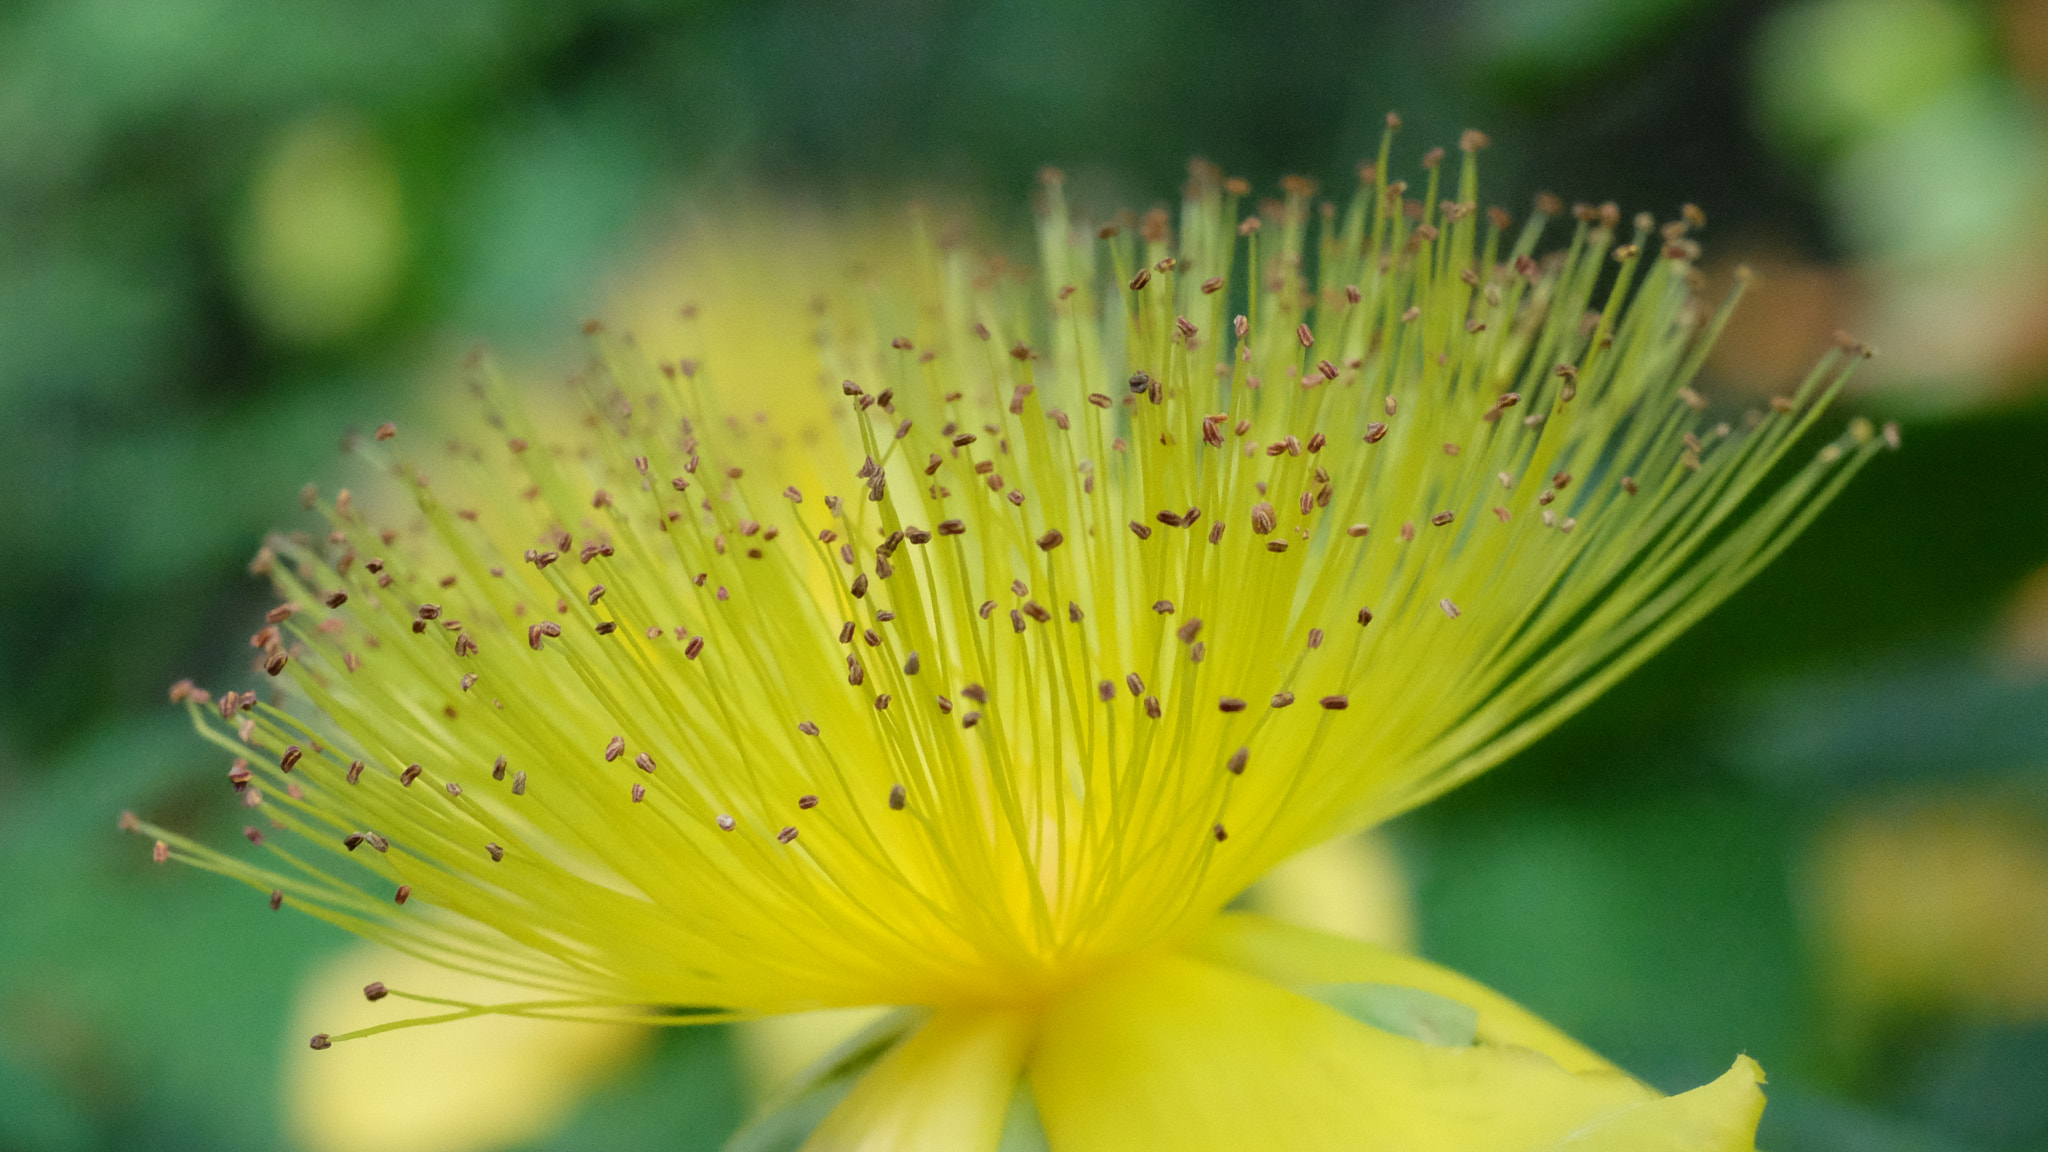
[685, 1097]
[1831, 72]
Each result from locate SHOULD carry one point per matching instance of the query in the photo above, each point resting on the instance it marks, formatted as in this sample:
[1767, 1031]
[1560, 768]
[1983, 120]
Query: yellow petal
[491, 1082]
[945, 1089]
[1182, 1054]
[1299, 957]
[1716, 1117]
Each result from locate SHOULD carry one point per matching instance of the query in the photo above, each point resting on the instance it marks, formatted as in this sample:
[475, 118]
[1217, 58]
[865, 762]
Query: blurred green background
[1815, 830]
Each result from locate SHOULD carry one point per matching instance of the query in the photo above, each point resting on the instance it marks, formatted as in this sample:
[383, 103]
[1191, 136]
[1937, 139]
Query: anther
[519, 783]
[276, 899]
[898, 797]
[1315, 638]
[644, 762]
[726, 823]
[497, 853]
[1282, 699]
[639, 793]
[1335, 703]
[1220, 834]
[1230, 704]
[785, 836]
[411, 773]
[291, 757]
[1135, 684]
[1450, 609]
[1442, 518]
[320, 1042]
[1152, 707]
[375, 991]
[355, 771]
[403, 894]
[614, 748]
[1237, 761]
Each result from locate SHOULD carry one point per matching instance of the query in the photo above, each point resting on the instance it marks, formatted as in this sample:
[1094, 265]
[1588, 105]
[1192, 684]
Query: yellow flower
[981, 682]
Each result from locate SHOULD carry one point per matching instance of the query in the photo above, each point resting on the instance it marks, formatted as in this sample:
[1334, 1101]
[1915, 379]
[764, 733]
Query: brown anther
[951, 527]
[411, 773]
[1442, 518]
[291, 757]
[403, 894]
[320, 1042]
[519, 783]
[1220, 834]
[1335, 703]
[386, 430]
[1230, 704]
[336, 599]
[1375, 432]
[1450, 609]
[355, 771]
[1152, 709]
[694, 648]
[1051, 540]
[496, 852]
[1276, 545]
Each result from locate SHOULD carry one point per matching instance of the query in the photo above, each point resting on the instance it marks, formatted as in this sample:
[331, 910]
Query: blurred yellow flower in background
[488, 1083]
[1936, 905]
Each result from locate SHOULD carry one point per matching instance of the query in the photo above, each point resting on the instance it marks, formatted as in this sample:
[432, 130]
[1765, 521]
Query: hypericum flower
[1114, 587]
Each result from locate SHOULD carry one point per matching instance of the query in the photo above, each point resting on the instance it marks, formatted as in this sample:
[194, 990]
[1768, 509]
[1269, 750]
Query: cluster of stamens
[1094, 599]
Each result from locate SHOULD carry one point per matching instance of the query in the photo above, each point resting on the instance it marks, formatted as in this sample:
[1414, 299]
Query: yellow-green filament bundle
[1060, 611]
